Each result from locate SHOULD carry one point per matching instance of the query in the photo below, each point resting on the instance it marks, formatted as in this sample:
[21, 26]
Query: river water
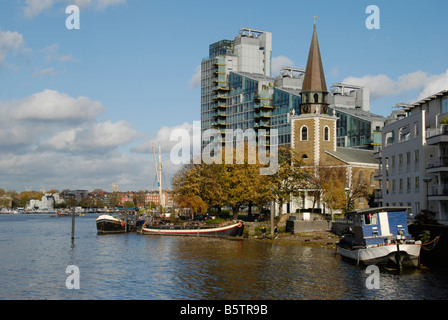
[35, 251]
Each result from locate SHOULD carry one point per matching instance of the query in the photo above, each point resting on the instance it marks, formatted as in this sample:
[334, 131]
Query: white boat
[230, 229]
[379, 235]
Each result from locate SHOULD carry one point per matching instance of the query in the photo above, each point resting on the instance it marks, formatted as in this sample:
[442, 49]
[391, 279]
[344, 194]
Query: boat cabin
[378, 226]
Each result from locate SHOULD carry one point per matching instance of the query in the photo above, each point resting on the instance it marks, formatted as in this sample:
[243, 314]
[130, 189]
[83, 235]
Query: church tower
[314, 130]
[314, 90]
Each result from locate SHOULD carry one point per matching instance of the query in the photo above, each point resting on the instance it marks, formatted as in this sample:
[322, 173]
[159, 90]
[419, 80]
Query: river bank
[322, 239]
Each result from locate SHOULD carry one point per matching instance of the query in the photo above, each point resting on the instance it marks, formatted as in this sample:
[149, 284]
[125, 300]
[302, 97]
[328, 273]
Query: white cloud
[60, 171]
[195, 80]
[45, 72]
[382, 86]
[99, 138]
[103, 4]
[10, 42]
[435, 84]
[35, 7]
[26, 121]
[50, 53]
[51, 105]
[54, 140]
[278, 63]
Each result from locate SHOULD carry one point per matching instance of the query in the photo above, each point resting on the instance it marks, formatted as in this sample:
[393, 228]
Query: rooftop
[351, 155]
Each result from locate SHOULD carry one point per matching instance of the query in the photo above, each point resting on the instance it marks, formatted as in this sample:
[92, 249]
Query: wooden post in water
[126, 220]
[272, 218]
[73, 223]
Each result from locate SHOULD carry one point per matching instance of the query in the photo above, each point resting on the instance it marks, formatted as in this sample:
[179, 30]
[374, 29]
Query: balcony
[262, 124]
[218, 123]
[438, 192]
[220, 113]
[263, 95]
[437, 135]
[262, 114]
[437, 164]
[220, 97]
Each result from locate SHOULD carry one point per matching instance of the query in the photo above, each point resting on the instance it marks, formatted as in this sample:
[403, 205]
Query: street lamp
[427, 180]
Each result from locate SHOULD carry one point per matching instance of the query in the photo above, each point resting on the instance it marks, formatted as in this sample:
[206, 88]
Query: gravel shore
[323, 239]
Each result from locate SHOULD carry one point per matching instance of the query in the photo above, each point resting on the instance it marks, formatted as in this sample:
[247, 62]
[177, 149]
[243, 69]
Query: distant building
[45, 204]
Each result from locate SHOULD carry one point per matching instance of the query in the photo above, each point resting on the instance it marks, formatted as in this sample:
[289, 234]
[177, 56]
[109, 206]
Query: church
[313, 138]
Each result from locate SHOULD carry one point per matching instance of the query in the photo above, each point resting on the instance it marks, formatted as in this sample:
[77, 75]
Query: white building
[45, 204]
[413, 170]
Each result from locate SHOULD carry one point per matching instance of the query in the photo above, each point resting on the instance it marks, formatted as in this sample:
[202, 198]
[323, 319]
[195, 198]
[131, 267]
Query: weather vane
[315, 17]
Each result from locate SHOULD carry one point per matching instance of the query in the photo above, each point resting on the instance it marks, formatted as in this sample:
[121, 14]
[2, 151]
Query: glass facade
[285, 104]
[221, 48]
[356, 131]
[258, 104]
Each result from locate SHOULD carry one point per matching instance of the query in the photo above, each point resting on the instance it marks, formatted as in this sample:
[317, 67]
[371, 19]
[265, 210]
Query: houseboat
[379, 235]
[228, 229]
[118, 223]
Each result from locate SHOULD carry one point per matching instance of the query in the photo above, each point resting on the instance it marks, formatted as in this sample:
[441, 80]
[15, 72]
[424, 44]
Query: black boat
[106, 224]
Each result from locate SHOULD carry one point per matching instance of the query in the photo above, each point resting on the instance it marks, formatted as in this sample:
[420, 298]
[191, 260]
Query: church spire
[314, 74]
[314, 88]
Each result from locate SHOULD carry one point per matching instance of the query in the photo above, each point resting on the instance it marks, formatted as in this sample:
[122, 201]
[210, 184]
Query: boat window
[370, 218]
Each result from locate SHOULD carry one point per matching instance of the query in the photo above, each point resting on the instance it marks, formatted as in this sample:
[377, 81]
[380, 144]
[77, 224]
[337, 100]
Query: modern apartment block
[413, 159]
[249, 52]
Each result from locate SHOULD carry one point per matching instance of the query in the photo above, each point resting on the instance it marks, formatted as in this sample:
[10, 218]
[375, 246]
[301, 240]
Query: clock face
[305, 109]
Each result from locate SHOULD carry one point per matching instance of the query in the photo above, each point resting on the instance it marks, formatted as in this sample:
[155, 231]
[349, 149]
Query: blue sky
[81, 108]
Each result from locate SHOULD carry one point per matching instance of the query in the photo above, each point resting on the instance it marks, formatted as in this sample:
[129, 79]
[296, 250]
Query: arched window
[361, 177]
[304, 133]
[326, 133]
[316, 98]
[372, 178]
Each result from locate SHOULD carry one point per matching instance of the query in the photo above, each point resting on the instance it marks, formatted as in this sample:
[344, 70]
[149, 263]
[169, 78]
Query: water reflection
[132, 266]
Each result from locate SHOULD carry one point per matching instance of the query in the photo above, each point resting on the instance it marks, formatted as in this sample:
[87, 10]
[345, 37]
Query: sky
[81, 108]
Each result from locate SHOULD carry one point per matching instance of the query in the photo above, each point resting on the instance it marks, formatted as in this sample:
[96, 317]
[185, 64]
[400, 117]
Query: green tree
[129, 204]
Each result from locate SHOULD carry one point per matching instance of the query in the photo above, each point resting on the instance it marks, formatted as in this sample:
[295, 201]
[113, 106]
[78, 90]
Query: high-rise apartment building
[250, 52]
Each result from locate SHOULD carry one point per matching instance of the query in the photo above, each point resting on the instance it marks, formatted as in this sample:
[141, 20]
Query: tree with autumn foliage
[290, 177]
[235, 184]
[244, 184]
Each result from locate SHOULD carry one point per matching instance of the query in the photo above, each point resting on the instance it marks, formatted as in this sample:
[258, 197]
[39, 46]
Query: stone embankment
[293, 231]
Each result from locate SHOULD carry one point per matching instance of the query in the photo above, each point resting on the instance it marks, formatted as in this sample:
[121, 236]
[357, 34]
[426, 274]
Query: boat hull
[398, 255]
[106, 224]
[230, 230]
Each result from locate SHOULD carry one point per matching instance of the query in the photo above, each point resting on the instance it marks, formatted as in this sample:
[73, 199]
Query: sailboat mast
[162, 203]
[157, 172]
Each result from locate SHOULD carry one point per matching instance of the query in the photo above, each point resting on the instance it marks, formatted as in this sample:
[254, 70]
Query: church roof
[352, 156]
[314, 73]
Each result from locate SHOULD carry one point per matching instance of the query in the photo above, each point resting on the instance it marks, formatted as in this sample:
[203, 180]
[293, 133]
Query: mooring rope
[432, 243]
